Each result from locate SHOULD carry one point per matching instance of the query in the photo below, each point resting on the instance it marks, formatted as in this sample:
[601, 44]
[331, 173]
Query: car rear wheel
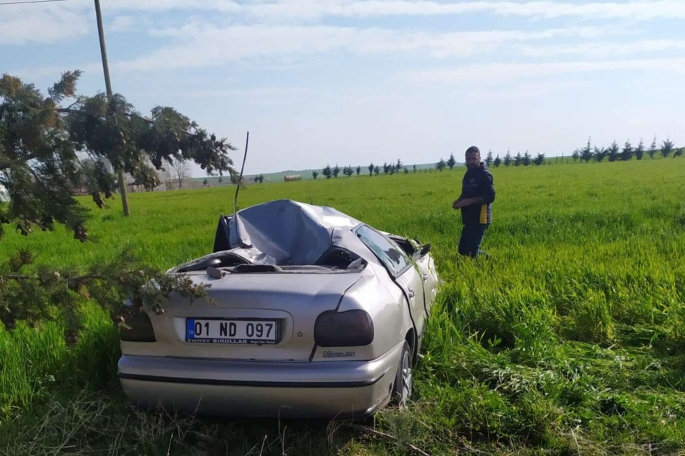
[404, 379]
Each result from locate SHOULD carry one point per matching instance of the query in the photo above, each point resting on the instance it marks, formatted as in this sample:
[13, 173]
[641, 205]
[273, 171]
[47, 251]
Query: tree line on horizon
[586, 154]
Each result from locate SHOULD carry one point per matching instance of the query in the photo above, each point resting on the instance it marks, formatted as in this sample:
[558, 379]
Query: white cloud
[316, 9]
[602, 49]
[203, 46]
[252, 93]
[21, 25]
[24, 24]
[122, 24]
[167, 5]
[507, 71]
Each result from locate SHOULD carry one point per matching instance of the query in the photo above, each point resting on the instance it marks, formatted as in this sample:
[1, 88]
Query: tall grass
[569, 338]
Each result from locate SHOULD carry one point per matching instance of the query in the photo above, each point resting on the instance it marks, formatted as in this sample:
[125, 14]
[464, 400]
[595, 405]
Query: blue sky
[321, 82]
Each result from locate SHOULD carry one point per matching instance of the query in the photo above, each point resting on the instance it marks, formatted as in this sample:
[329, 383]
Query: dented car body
[312, 314]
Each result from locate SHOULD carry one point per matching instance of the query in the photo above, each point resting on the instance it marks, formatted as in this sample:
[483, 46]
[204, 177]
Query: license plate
[217, 331]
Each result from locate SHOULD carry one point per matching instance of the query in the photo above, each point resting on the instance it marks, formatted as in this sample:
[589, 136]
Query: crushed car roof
[286, 232]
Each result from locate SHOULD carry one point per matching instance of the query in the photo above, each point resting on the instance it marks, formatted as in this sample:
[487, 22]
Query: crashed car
[313, 314]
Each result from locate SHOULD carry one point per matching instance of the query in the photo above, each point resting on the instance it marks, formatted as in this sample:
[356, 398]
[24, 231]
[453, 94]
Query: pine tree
[586, 153]
[451, 161]
[40, 169]
[498, 161]
[613, 152]
[652, 149]
[371, 168]
[539, 159]
[315, 174]
[518, 160]
[600, 154]
[526, 159]
[488, 159]
[440, 165]
[359, 170]
[575, 156]
[667, 148]
[327, 172]
[507, 159]
[640, 150]
[627, 152]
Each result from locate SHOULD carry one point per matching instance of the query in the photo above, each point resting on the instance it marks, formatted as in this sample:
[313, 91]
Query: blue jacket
[478, 182]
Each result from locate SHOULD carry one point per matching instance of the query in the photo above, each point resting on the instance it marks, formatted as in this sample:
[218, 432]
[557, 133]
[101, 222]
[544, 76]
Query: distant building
[291, 178]
[165, 174]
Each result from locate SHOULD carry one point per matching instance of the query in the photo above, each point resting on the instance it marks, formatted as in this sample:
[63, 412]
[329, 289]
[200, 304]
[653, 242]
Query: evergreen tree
[600, 154]
[667, 148]
[640, 150]
[539, 159]
[359, 170]
[652, 149]
[586, 153]
[575, 156]
[518, 160]
[488, 159]
[507, 159]
[371, 169]
[336, 171]
[498, 161]
[315, 174]
[327, 171]
[451, 161]
[613, 152]
[627, 152]
[526, 159]
[40, 168]
[440, 165]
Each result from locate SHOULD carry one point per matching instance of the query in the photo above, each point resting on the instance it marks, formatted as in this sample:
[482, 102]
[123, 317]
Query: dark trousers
[471, 237]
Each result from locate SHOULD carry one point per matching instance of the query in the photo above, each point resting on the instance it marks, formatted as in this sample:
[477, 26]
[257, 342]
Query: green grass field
[569, 339]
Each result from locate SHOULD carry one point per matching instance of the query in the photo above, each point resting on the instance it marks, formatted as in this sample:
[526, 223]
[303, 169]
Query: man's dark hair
[473, 150]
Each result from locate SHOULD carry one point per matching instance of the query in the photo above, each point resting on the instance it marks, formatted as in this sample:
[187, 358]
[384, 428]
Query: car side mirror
[424, 250]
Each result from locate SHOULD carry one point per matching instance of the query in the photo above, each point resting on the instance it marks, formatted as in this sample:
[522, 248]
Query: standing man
[475, 202]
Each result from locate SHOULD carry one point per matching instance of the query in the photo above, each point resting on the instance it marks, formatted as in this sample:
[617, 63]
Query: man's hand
[458, 204]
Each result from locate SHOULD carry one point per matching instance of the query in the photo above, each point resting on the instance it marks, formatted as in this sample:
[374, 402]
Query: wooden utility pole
[108, 85]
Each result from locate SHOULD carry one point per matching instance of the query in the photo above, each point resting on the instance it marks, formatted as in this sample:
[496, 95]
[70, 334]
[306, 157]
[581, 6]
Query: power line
[29, 2]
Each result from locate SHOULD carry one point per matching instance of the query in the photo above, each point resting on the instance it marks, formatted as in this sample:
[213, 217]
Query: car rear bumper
[331, 389]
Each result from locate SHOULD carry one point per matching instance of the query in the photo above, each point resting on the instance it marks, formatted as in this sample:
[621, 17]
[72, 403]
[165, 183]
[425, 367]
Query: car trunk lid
[228, 324]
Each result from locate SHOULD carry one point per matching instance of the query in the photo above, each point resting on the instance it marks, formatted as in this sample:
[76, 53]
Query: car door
[401, 268]
[426, 265]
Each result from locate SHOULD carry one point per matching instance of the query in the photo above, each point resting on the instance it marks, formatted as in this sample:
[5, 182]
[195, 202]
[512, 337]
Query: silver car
[313, 314]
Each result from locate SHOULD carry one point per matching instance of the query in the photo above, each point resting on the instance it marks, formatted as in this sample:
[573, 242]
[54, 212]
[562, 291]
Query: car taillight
[343, 329]
[140, 329]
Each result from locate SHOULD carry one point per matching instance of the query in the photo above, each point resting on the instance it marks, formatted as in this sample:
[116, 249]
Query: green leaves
[66, 87]
[47, 154]
[47, 294]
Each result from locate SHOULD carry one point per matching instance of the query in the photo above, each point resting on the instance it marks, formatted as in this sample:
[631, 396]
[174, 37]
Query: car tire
[404, 379]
